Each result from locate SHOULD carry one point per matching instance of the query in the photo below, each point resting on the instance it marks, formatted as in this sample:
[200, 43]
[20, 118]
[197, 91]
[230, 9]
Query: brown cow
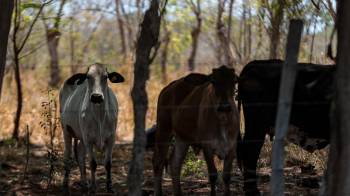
[199, 111]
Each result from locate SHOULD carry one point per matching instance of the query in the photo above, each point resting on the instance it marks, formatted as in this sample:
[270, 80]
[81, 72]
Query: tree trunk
[15, 133]
[53, 37]
[249, 29]
[275, 32]
[164, 54]
[148, 39]
[224, 43]
[6, 8]
[338, 170]
[121, 30]
[72, 47]
[195, 35]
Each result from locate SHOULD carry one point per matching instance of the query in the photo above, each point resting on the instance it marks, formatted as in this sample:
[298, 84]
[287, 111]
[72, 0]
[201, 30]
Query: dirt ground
[301, 179]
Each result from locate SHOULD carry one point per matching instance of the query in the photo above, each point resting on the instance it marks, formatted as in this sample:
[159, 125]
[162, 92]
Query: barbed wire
[124, 108]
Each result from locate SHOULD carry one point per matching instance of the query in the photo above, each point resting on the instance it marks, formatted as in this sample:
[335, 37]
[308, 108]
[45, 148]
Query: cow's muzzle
[96, 98]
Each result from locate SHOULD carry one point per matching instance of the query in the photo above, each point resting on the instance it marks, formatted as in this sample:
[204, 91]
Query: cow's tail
[239, 138]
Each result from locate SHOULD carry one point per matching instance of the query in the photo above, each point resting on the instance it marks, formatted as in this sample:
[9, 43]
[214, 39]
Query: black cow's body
[258, 92]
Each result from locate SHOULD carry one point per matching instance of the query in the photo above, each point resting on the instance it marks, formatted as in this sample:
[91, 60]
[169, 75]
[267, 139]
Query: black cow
[258, 93]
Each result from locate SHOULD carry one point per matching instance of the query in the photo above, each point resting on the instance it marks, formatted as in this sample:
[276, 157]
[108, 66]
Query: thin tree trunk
[249, 29]
[338, 170]
[275, 32]
[195, 35]
[53, 37]
[148, 39]
[164, 54]
[244, 25]
[312, 43]
[6, 9]
[224, 43]
[129, 27]
[72, 47]
[121, 29]
[15, 133]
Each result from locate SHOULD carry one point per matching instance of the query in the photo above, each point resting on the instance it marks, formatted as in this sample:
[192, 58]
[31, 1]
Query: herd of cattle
[198, 111]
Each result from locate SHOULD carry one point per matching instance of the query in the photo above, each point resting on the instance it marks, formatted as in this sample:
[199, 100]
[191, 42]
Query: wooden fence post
[285, 99]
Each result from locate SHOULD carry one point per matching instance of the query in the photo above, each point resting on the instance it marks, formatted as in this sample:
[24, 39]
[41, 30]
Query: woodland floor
[299, 181]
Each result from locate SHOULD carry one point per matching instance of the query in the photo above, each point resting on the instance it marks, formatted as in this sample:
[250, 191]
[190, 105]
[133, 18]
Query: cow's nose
[96, 98]
[224, 108]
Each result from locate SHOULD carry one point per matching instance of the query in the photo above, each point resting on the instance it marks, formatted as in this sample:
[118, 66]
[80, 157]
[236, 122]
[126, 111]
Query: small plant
[193, 165]
[50, 123]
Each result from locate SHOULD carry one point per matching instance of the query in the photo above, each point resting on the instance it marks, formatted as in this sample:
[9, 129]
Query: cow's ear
[115, 77]
[80, 77]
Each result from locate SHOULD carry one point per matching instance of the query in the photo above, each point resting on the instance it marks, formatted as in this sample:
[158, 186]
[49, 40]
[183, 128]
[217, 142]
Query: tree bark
[53, 35]
[224, 43]
[15, 133]
[6, 9]
[147, 40]
[164, 54]
[275, 32]
[195, 34]
[337, 180]
[121, 29]
[72, 47]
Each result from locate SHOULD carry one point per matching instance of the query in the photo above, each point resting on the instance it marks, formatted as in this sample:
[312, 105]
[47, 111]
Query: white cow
[89, 112]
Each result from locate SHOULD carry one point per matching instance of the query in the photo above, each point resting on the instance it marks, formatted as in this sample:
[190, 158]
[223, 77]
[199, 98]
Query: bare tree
[196, 9]
[6, 9]
[18, 46]
[53, 35]
[146, 43]
[274, 11]
[121, 29]
[338, 171]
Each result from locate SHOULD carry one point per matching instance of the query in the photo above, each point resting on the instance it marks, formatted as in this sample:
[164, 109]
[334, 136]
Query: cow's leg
[228, 170]
[108, 164]
[162, 142]
[177, 157]
[212, 171]
[67, 159]
[93, 166]
[81, 161]
[252, 142]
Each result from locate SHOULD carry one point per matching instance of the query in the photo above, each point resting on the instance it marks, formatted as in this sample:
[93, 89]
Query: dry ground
[14, 181]
[303, 170]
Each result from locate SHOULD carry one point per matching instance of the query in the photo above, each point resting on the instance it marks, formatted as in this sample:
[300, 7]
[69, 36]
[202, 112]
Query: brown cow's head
[224, 81]
[96, 77]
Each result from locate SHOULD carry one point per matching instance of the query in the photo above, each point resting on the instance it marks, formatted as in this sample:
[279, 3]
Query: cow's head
[223, 80]
[96, 77]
